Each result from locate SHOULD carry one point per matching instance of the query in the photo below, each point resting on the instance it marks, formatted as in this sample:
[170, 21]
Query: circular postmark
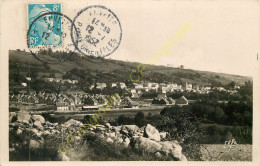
[99, 31]
[48, 37]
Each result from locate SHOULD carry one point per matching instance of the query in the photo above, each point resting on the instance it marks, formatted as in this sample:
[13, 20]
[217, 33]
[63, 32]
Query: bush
[47, 151]
[140, 119]
[123, 120]
[182, 126]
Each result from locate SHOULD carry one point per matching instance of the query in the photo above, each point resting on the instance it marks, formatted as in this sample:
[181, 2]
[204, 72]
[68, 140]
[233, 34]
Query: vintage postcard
[130, 81]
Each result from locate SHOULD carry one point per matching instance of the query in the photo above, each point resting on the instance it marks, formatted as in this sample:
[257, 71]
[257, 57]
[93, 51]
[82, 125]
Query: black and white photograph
[130, 80]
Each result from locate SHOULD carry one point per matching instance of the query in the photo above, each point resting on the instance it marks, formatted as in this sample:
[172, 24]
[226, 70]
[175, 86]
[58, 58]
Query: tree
[49, 52]
[231, 85]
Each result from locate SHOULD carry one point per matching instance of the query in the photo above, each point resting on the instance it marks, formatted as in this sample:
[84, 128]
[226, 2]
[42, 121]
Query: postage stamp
[49, 33]
[99, 31]
[46, 30]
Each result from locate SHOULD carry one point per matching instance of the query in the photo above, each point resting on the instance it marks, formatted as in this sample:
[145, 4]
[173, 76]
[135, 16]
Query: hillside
[107, 70]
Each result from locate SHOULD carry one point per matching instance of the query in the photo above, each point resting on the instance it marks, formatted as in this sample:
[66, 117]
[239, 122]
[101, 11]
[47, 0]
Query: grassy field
[217, 152]
[111, 114]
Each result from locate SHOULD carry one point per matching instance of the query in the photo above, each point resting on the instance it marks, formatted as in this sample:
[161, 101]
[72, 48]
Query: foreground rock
[23, 116]
[38, 118]
[152, 133]
[146, 138]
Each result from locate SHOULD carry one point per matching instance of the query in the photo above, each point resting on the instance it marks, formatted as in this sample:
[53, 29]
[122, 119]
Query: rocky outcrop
[23, 116]
[73, 123]
[38, 118]
[146, 144]
[129, 129]
[151, 133]
[146, 138]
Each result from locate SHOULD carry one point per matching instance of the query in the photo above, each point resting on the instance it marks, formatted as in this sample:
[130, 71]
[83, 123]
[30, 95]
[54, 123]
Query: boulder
[12, 116]
[109, 140]
[119, 140]
[183, 158]
[147, 144]
[116, 128]
[73, 122]
[34, 144]
[63, 157]
[158, 155]
[38, 124]
[46, 132]
[151, 133]
[126, 142]
[108, 125]
[38, 118]
[34, 132]
[11, 124]
[173, 149]
[111, 135]
[19, 131]
[99, 128]
[129, 129]
[21, 115]
[142, 128]
[163, 135]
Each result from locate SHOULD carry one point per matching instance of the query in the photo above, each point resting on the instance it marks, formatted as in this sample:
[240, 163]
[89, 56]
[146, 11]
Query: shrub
[181, 126]
[140, 119]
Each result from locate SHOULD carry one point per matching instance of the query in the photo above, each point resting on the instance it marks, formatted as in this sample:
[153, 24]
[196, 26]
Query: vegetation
[89, 70]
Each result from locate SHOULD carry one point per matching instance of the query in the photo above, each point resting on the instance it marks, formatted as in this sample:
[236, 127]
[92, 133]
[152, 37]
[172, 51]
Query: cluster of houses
[84, 101]
[60, 80]
[74, 101]
[53, 80]
[164, 100]
[139, 88]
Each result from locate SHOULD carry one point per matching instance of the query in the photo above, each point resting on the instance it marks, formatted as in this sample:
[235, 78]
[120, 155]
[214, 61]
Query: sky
[224, 39]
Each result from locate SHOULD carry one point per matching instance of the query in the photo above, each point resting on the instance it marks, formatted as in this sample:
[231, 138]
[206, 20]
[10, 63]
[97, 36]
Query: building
[50, 100]
[196, 87]
[28, 78]
[236, 87]
[41, 98]
[33, 99]
[69, 101]
[114, 100]
[62, 106]
[136, 95]
[76, 99]
[219, 88]
[122, 85]
[48, 79]
[128, 103]
[182, 101]
[138, 86]
[101, 86]
[113, 85]
[89, 100]
[187, 86]
[24, 84]
[85, 108]
[102, 100]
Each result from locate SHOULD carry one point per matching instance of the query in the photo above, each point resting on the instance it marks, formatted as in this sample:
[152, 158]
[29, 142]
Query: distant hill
[108, 70]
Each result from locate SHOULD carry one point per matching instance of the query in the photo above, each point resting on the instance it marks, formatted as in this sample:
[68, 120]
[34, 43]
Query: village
[82, 101]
